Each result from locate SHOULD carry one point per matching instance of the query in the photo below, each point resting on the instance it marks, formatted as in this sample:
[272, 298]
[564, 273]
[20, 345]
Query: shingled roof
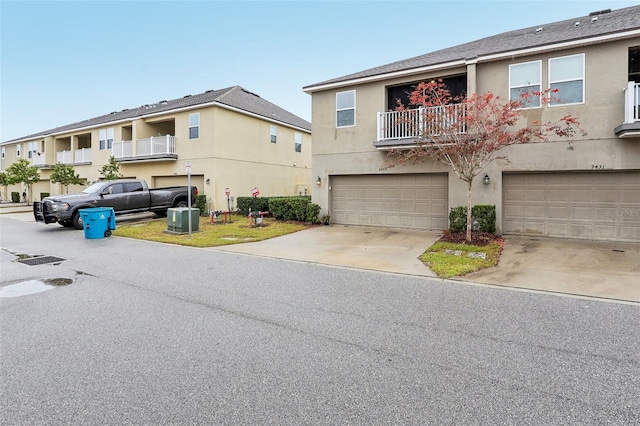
[235, 97]
[601, 23]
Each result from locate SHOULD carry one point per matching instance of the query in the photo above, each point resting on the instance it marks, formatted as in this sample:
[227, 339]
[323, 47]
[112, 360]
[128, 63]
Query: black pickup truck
[124, 195]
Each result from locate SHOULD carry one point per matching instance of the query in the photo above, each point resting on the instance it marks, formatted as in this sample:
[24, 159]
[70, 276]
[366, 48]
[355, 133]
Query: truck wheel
[77, 221]
[182, 204]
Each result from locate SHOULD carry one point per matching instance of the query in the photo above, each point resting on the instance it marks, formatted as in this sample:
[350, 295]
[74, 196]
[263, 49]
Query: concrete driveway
[576, 267]
[379, 249]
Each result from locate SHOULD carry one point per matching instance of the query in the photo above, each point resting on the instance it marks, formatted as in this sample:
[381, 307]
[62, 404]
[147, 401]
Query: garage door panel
[607, 232]
[608, 195]
[585, 205]
[630, 233]
[412, 201]
[631, 196]
[554, 212]
[580, 213]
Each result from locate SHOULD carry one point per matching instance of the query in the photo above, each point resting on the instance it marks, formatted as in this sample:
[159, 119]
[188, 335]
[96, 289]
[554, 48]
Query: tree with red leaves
[466, 134]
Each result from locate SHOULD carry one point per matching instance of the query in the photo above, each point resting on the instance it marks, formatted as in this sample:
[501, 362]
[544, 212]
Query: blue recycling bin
[98, 222]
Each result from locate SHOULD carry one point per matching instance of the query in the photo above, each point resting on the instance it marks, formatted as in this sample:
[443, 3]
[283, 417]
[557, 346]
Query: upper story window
[274, 134]
[32, 149]
[567, 75]
[298, 141]
[18, 149]
[346, 108]
[526, 78]
[3, 153]
[106, 138]
[194, 125]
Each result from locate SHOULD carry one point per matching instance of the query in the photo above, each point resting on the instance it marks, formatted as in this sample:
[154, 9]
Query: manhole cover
[40, 260]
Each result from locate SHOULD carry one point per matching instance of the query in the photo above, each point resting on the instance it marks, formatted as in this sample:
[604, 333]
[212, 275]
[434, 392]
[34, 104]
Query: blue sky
[66, 61]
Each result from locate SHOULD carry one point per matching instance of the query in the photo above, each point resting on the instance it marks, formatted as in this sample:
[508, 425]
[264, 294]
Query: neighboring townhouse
[231, 137]
[589, 190]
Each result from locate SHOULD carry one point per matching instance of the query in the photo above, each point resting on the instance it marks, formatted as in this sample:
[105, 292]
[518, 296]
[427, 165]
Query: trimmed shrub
[201, 203]
[300, 209]
[483, 216]
[15, 197]
[260, 204]
[44, 195]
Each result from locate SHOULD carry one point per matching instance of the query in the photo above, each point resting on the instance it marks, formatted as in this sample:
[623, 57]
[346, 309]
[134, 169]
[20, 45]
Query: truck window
[133, 187]
[116, 188]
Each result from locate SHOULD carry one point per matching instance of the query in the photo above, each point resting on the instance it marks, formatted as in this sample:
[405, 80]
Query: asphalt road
[158, 334]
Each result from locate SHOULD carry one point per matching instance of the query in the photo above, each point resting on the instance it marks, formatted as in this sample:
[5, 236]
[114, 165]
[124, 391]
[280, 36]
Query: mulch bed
[477, 238]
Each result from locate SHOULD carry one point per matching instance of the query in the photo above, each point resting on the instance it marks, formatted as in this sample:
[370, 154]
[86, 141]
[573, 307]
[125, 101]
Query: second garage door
[597, 205]
[405, 201]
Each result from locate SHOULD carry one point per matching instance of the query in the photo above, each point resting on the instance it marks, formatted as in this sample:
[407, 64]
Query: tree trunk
[468, 238]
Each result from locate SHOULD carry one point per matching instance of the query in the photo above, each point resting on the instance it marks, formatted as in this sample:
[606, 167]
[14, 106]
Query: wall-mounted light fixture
[208, 181]
[318, 181]
[486, 180]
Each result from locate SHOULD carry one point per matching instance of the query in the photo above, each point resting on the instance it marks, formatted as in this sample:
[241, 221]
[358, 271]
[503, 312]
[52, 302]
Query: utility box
[178, 220]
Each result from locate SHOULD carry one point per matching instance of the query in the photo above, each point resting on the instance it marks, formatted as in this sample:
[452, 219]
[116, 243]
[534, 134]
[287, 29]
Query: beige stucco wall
[233, 150]
[338, 151]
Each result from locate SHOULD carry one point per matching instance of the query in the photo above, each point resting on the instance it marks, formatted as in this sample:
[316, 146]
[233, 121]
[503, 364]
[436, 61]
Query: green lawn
[447, 265]
[210, 235]
[238, 231]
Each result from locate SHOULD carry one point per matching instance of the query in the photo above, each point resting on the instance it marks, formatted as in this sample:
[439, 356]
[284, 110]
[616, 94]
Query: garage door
[404, 201]
[597, 205]
[165, 181]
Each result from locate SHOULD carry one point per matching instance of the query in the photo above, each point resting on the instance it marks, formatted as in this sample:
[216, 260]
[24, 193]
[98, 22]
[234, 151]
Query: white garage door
[166, 181]
[403, 201]
[596, 205]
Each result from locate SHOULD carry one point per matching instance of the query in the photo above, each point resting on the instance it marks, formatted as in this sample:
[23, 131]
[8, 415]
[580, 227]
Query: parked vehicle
[123, 195]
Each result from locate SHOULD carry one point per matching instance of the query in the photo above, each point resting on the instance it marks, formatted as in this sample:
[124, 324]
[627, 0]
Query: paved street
[156, 334]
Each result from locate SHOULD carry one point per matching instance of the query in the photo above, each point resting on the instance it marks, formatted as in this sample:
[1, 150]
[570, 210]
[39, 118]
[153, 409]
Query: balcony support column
[472, 84]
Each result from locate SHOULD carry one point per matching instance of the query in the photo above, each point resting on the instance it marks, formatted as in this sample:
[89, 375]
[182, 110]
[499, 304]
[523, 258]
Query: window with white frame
[106, 138]
[346, 109]
[298, 141]
[32, 149]
[274, 134]
[3, 152]
[525, 80]
[566, 75]
[18, 149]
[194, 125]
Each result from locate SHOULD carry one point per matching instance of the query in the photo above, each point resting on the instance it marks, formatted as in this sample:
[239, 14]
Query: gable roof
[234, 97]
[606, 23]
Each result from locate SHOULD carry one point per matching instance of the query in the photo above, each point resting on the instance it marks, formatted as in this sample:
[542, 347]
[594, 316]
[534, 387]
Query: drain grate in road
[40, 260]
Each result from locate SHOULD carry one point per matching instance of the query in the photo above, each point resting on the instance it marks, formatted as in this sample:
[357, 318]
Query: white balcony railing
[632, 103]
[82, 155]
[122, 149]
[38, 160]
[64, 157]
[156, 145]
[421, 122]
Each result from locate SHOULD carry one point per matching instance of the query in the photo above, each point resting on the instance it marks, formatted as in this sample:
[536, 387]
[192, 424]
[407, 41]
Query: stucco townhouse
[589, 189]
[232, 138]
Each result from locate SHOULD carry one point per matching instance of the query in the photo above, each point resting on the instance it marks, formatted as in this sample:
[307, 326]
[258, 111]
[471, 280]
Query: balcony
[401, 129]
[77, 156]
[630, 128]
[38, 160]
[156, 148]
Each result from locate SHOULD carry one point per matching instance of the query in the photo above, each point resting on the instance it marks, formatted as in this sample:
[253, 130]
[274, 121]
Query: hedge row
[483, 218]
[299, 208]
